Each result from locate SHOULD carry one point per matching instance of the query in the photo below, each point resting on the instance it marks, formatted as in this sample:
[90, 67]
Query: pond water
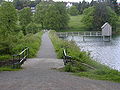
[107, 53]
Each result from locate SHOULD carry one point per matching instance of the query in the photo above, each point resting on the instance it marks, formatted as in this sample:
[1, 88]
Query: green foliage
[5, 57]
[52, 16]
[100, 72]
[25, 17]
[8, 23]
[32, 28]
[8, 17]
[32, 41]
[68, 67]
[73, 11]
[82, 6]
[8, 69]
[88, 17]
[94, 17]
[41, 9]
[20, 4]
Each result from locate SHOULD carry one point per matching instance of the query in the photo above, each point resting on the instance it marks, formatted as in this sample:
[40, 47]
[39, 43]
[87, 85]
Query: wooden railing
[86, 33]
[68, 59]
[19, 59]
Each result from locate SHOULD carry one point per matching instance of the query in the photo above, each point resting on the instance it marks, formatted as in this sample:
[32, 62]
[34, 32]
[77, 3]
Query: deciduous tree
[73, 11]
[25, 17]
[8, 22]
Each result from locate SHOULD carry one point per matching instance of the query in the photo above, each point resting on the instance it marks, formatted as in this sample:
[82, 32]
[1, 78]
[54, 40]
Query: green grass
[8, 69]
[101, 72]
[5, 57]
[75, 24]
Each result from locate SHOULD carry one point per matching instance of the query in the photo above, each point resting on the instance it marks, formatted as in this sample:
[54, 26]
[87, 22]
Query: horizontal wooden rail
[21, 58]
[67, 59]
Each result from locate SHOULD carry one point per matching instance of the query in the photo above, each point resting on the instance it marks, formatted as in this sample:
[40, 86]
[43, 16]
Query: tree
[88, 17]
[41, 9]
[93, 3]
[8, 22]
[25, 17]
[73, 11]
[56, 17]
[94, 17]
[20, 4]
[104, 14]
[114, 5]
[52, 15]
[82, 5]
[31, 28]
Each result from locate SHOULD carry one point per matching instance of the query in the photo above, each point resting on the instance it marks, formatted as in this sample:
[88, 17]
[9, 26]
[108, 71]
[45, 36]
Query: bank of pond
[101, 71]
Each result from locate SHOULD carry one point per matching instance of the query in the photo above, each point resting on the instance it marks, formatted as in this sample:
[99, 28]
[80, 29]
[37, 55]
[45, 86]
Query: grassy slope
[75, 24]
[102, 72]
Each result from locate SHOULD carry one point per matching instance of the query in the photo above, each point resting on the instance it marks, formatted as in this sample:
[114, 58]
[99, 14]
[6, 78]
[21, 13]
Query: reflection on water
[105, 52]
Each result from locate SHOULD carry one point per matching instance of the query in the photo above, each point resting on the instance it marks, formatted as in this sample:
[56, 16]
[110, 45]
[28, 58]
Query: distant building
[69, 4]
[101, 0]
[33, 10]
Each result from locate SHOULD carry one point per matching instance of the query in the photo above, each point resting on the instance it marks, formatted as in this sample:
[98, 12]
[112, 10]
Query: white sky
[77, 0]
[72, 0]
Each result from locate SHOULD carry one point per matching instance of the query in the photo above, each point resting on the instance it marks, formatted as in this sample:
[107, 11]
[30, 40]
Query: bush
[32, 41]
[32, 28]
[73, 11]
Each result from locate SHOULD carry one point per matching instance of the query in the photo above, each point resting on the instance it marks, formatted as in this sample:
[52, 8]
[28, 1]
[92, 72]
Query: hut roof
[105, 25]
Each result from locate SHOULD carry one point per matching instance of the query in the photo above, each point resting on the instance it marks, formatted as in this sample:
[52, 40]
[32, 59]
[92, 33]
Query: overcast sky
[77, 0]
[72, 0]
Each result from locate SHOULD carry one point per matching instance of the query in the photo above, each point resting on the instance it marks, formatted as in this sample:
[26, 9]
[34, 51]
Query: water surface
[107, 53]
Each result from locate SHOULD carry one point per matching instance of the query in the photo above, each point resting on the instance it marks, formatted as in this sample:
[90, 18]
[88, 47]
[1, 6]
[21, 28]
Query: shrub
[32, 28]
[32, 41]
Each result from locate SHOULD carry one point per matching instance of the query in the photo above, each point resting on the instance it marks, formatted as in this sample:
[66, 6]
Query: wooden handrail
[21, 57]
[68, 59]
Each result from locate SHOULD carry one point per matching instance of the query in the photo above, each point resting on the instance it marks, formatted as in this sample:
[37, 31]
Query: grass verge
[101, 72]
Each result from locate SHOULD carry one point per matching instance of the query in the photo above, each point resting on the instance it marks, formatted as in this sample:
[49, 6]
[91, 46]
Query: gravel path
[40, 74]
[46, 49]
